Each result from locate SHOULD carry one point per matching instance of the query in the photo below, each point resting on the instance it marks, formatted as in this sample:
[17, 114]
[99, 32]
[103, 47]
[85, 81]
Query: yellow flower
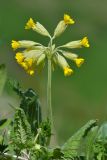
[15, 44]
[79, 61]
[24, 65]
[68, 19]
[30, 24]
[30, 72]
[19, 57]
[67, 71]
[84, 42]
[30, 62]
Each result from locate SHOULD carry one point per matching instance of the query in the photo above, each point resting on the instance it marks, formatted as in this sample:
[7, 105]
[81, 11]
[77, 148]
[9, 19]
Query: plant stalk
[50, 115]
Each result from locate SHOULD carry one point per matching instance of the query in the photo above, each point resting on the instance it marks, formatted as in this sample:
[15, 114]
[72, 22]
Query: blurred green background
[75, 99]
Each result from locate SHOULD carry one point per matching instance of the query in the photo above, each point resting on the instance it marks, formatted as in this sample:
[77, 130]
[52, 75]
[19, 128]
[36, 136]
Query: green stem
[49, 92]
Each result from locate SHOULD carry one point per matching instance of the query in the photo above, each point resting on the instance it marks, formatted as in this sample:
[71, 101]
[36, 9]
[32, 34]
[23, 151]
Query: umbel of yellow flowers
[34, 54]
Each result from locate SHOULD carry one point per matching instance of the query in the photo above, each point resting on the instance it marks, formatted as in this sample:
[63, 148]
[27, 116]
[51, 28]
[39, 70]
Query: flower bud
[69, 55]
[73, 44]
[60, 29]
[27, 44]
[23, 44]
[41, 29]
[62, 61]
[34, 54]
[77, 44]
[41, 59]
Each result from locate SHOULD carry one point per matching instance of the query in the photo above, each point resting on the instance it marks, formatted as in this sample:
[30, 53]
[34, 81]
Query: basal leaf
[31, 105]
[100, 144]
[71, 148]
[21, 131]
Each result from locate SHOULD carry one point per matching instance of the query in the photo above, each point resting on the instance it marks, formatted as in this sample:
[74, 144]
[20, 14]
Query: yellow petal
[68, 71]
[29, 62]
[79, 61]
[24, 65]
[15, 44]
[30, 72]
[68, 19]
[84, 42]
[19, 57]
[30, 24]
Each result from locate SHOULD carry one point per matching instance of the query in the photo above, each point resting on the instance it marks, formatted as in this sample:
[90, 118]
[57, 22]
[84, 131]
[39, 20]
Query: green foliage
[45, 134]
[31, 105]
[28, 136]
[3, 76]
[21, 135]
[3, 147]
[100, 145]
[71, 148]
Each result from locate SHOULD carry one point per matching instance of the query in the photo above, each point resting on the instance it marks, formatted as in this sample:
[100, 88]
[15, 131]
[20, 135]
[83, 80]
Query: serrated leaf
[57, 154]
[89, 141]
[31, 105]
[100, 144]
[21, 134]
[44, 138]
[71, 147]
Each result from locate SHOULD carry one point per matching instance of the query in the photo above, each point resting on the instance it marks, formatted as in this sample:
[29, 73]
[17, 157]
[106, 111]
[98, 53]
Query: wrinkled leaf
[100, 144]
[71, 147]
[31, 105]
[21, 135]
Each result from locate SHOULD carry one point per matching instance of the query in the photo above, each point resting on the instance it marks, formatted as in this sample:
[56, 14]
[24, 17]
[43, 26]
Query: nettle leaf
[3, 76]
[100, 144]
[89, 141]
[31, 105]
[21, 135]
[71, 148]
[57, 153]
[45, 135]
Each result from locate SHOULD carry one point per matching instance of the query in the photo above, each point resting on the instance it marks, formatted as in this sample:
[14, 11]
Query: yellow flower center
[15, 44]
[30, 24]
[79, 61]
[68, 19]
[84, 42]
[67, 71]
[19, 57]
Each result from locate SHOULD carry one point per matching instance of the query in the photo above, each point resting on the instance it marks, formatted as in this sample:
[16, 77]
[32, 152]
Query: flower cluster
[34, 54]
